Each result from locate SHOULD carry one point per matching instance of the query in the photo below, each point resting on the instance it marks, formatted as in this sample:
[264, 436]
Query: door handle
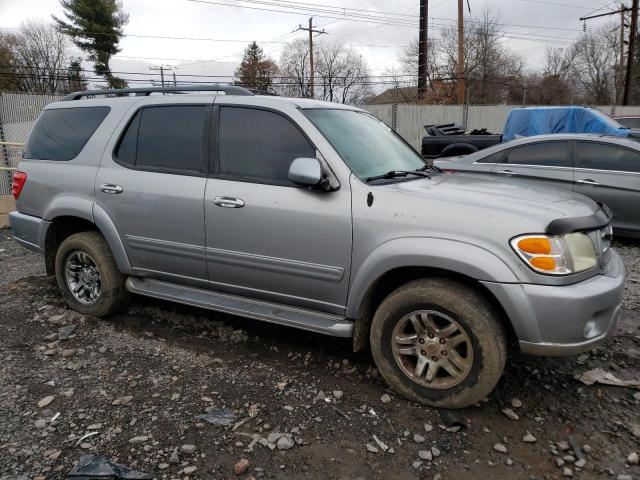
[111, 188]
[228, 202]
[506, 172]
[588, 181]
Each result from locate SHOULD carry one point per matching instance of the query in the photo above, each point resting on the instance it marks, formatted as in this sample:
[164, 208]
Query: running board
[326, 323]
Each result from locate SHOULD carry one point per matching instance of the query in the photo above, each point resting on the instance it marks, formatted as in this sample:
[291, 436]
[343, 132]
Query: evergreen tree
[95, 26]
[256, 71]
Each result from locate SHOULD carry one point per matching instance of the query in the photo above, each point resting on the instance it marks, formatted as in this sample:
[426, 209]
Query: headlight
[556, 254]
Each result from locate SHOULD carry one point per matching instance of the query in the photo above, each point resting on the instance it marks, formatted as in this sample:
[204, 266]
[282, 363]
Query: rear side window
[493, 158]
[60, 134]
[547, 154]
[600, 156]
[259, 145]
[166, 138]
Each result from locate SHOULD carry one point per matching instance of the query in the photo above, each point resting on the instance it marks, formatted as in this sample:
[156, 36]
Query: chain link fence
[18, 112]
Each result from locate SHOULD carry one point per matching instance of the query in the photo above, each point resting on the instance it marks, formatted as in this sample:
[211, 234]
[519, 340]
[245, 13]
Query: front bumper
[564, 320]
[28, 230]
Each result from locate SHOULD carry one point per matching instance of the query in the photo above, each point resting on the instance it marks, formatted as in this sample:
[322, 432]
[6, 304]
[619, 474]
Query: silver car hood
[460, 202]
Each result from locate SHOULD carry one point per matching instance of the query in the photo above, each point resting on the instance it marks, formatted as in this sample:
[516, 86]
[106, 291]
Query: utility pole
[174, 80]
[162, 69]
[423, 58]
[460, 73]
[311, 32]
[631, 52]
[621, 66]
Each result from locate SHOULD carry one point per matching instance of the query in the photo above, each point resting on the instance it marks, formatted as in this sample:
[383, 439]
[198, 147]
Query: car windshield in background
[367, 145]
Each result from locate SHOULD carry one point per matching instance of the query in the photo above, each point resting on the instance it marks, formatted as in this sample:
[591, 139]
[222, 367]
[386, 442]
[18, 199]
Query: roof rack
[146, 91]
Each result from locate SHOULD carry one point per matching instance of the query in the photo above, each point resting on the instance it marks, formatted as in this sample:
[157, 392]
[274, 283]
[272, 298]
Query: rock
[624, 476]
[174, 458]
[567, 472]
[510, 414]
[516, 403]
[94, 426]
[581, 463]
[508, 462]
[425, 455]
[428, 427]
[68, 352]
[126, 400]
[417, 464]
[273, 437]
[632, 459]
[285, 443]
[636, 396]
[241, 467]
[46, 401]
[338, 394]
[498, 447]
[65, 332]
[418, 438]
[371, 448]
[139, 439]
[435, 451]
[190, 469]
[41, 423]
[528, 438]
[188, 449]
[163, 466]
[386, 398]
[559, 462]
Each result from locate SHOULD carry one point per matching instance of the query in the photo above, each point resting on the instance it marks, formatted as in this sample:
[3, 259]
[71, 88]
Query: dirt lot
[304, 405]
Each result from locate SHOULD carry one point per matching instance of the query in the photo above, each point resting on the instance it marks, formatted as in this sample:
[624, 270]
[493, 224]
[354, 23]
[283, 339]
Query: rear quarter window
[60, 134]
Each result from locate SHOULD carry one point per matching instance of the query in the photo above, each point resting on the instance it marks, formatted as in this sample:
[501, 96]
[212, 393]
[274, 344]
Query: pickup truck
[450, 140]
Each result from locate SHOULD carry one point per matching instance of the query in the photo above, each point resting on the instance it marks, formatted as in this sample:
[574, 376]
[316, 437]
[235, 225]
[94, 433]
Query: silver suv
[316, 216]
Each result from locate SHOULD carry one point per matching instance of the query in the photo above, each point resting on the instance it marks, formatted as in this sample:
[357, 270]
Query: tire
[91, 251]
[456, 149]
[443, 307]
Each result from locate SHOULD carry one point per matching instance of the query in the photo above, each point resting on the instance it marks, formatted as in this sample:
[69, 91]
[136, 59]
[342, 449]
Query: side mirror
[306, 171]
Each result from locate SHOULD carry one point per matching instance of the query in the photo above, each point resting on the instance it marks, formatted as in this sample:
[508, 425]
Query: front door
[152, 187]
[266, 237]
[610, 174]
[547, 163]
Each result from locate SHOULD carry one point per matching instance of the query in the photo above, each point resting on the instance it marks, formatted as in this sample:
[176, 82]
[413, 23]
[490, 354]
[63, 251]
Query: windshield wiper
[398, 174]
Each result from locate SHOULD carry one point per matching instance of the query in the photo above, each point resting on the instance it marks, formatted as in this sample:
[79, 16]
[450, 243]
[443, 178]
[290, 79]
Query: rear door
[610, 173]
[151, 183]
[548, 163]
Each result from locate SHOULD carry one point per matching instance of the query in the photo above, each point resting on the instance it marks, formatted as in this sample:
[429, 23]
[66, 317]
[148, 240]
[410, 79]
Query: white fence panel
[382, 112]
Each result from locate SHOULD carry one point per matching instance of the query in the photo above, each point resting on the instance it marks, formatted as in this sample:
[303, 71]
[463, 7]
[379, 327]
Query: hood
[455, 202]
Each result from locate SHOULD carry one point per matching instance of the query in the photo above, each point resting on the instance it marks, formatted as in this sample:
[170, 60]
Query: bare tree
[40, 58]
[343, 74]
[294, 70]
[595, 68]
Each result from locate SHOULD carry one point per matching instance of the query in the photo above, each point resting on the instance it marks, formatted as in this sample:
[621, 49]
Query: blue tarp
[526, 122]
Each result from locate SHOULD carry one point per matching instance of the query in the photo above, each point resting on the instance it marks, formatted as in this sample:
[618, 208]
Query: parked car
[605, 169]
[523, 122]
[317, 216]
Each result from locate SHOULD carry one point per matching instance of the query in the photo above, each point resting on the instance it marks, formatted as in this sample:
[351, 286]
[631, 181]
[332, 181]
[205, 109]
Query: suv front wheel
[438, 342]
[88, 276]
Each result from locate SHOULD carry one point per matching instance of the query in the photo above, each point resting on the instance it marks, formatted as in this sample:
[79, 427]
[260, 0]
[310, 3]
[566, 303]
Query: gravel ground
[131, 388]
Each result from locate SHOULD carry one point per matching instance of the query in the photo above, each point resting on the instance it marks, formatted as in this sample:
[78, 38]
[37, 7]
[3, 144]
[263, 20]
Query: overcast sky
[530, 26]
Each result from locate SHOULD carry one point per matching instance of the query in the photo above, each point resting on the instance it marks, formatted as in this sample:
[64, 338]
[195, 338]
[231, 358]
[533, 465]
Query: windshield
[367, 145]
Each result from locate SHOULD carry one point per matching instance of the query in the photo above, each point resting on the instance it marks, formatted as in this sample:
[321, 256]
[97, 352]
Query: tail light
[19, 179]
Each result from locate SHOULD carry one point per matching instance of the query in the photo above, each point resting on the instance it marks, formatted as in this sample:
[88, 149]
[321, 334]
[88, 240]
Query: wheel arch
[63, 226]
[396, 277]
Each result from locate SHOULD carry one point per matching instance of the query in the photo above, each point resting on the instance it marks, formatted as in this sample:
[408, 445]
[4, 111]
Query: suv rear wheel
[88, 276]
[438, 342]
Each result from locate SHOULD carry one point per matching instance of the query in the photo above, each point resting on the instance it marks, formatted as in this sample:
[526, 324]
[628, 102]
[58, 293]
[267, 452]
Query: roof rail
[146, 91]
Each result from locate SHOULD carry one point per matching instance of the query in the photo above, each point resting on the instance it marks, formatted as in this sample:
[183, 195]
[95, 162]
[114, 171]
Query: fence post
[4, 151]
[465, 115]
[394, 117]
